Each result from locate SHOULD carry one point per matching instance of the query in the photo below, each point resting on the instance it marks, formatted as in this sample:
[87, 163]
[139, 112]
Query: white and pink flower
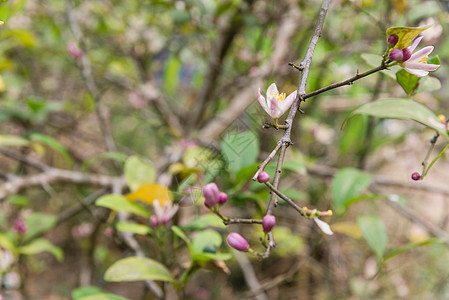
[275, 104]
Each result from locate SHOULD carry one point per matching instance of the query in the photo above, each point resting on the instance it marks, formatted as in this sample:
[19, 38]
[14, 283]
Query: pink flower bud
[263, 177]
[222, 198]
[74, 51]
[268, 223]
[154, 221]
[406, 54]
[416, 176]
[210, 193]
[396, 54]
[108, 232]
[237, 242]
[19, 226]
[393, 40]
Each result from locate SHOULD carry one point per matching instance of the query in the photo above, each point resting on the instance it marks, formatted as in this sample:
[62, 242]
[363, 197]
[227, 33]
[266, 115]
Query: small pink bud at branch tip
[263, 177]
[222, 198]
[393, 40]
[74, 51]
[416, 176]
[211, 194]
[237, 242]
[396, 54]
[268, 223]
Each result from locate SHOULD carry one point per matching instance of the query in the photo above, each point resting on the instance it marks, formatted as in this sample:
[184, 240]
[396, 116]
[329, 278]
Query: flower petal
[274, 109]
[271, 92]
[416, 72]
[262, 102]
[415, 44]
[422, 66]
[158, 210]
[325, 228]
[287, 103]
[417, 56]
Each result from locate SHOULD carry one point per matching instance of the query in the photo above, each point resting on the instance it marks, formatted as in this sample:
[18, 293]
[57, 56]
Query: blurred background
[85, 84]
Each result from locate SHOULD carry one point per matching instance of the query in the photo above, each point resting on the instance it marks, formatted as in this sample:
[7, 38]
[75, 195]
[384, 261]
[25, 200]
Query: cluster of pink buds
[413, 63]
[213, 196]
[20, 227]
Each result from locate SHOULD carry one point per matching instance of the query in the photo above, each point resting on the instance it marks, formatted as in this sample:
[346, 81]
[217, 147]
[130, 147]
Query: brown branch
[23, 158]
[57, 175]
[349, 81]
[286, 199]
[277, 177]
[262, 166]
[216, 63]
[86, 71]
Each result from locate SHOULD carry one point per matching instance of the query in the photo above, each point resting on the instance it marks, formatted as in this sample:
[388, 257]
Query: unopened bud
[20, 227]
[406, 54]
[396, 54]
[393, 40]
[210, 193]
[237, 242]
[154, 221]
[263, 177]
[74, 51]
[416, 176]
[222, 198]
[268, 223]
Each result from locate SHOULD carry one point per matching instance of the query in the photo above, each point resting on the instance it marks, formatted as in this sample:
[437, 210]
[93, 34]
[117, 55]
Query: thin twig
[277, 177]
[262, 166]
[86, 71]
[349, 81]
[23, 158]
[286, 199]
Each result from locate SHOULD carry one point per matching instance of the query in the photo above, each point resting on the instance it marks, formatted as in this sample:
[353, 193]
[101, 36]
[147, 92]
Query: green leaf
[53, 144]
[133, 228]
[117, 156]
[138, 172]
[400, 109]
[41, 245]
[411, 246]
[103, 297]
[7, 243]
[18, 200]
[120, 203]
[203, 221]
[85, 291]
[206, 239]
[205, 257]
[179, 233]
[93, 293]
[429, 84]
[348, 183]
[405, 34]
[136, 269]
[434, 60]
[375, 234]
[408, 82]
[12, 140]
[38, 223]
[240, 149]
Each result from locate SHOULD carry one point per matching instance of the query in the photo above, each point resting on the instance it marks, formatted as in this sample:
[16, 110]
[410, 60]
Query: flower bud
[19, 226]
[406, 54]
[154, 221]
[393, 40]
[416, 176]
[237, 242]
[107, 232]
[74, 51]
[222, 198]
[396, 54]
[268, 223]
[263, 177]
[210, 193]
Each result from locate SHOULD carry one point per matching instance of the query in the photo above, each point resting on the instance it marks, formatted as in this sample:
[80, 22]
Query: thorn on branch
[299, 68]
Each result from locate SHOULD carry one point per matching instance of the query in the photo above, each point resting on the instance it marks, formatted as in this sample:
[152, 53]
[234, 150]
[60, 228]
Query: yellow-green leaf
[405, 34]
